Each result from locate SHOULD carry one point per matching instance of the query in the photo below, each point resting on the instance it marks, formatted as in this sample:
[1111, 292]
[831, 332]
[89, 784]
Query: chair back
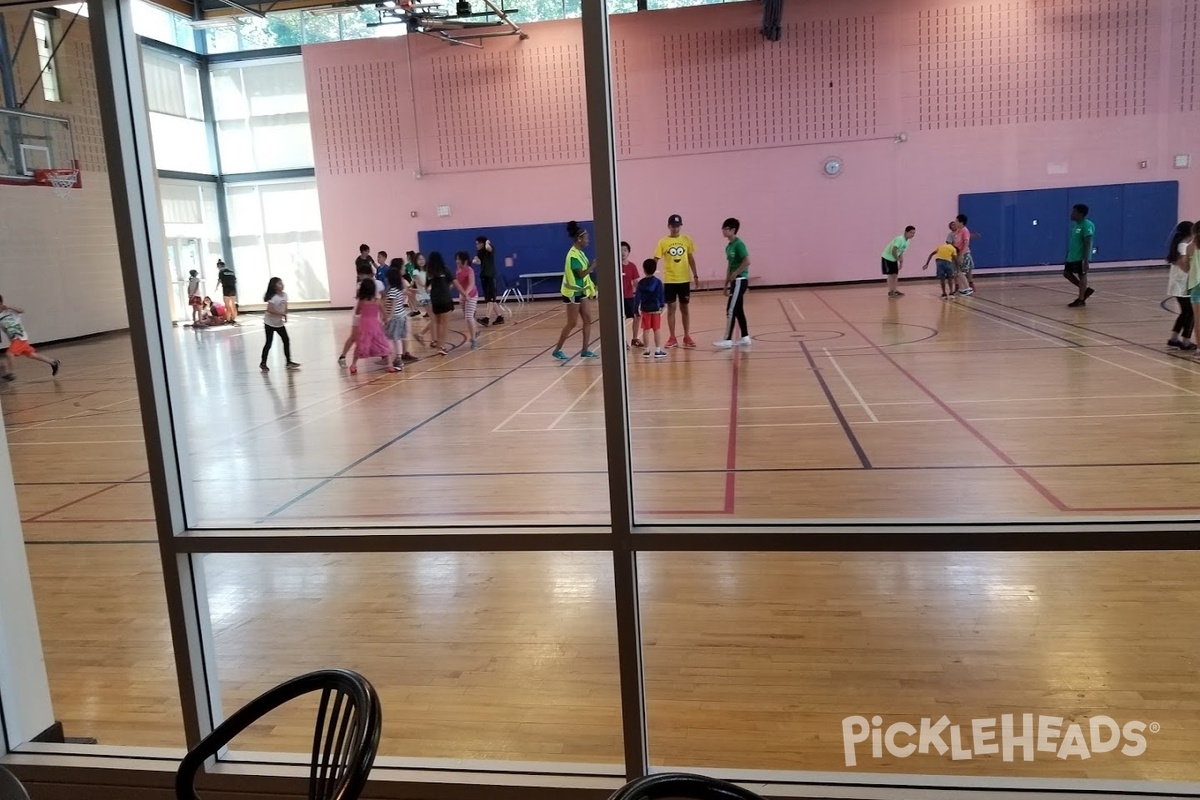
[682, 786]
[10, 787]
[345, 738]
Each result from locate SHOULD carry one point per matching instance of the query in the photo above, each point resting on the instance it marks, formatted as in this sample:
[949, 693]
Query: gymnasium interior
[890, 545]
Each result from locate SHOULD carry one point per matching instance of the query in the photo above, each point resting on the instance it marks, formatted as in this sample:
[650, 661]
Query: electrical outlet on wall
[1183, 161]
[443, 211]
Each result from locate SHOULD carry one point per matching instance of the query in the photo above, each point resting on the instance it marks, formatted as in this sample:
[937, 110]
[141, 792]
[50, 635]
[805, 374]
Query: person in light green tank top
[578, 292]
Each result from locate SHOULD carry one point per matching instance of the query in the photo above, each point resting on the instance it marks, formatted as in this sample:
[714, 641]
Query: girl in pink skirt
[372, 340]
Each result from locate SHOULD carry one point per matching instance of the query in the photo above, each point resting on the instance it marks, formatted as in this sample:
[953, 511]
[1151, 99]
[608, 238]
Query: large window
[43, 30]
[173, 96]
[262, 116]
[837, 526]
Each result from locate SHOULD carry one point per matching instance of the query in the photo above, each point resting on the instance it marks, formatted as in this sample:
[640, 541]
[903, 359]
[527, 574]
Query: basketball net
[63, 181]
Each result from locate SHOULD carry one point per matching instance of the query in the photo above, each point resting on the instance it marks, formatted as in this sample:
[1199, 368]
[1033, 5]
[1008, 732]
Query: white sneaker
[724, 343]
[645, 354]
[743, 342]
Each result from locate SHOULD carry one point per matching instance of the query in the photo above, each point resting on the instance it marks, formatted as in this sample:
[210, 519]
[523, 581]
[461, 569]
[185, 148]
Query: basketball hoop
[62, 181]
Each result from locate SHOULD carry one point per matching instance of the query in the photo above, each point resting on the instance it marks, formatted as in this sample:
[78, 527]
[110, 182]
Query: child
[629, 282]
[216, 311]
[464, 282]
[371, 340]
[420, 281]
[274, 321]
[946, 255]
[395, 311]
[893, 260]
[1177, 263]
[440, 301]
[381, 269]
[18, 344]
[651, 297]
[194, 295]
[737, 281]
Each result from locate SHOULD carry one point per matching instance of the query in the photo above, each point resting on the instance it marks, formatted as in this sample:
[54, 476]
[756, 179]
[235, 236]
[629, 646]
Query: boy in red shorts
[18, 344]
[651, 297]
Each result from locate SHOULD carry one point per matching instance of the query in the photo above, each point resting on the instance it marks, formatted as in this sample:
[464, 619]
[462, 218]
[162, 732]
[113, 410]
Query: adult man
[485, 259]
[228, 280]
[1079, 254]
[678, 252]
[893, 260]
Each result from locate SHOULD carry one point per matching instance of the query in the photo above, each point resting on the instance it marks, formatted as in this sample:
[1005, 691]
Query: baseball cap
[674, 220]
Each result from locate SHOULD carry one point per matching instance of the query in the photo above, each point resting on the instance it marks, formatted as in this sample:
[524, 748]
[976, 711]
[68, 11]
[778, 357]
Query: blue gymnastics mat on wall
[1030, 228]
[530, 249]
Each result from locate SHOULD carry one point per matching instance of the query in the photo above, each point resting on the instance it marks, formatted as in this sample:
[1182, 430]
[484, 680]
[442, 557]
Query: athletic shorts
[678, 291]
[651, 321]
[489, 289]
[1196, 294]
[631, 307]
[20, 347]
[574, 299]
[1074, 267]
[443, 308]
[890, 267]
[966, 264]
[397, 327]
[945, 269]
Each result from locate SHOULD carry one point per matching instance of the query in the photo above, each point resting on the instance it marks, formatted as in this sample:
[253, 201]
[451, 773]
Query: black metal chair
[10, 787]
[681, 786]
[345, 740]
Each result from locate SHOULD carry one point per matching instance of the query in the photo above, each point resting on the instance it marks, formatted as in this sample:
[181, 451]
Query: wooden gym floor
[1007, 405]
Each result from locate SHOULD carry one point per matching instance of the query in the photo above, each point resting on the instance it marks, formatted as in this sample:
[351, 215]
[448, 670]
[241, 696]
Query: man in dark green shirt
[737, 281]
[1079, 254]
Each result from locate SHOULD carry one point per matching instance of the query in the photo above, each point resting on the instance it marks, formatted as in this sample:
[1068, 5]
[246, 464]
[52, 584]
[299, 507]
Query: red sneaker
[672, 343]
[688, 342]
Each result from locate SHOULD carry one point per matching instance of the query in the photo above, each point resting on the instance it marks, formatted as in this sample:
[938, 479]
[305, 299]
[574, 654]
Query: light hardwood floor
[848, 405]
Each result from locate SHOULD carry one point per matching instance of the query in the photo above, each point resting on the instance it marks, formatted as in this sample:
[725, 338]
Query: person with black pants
[1177, 287]
[273, 321]
[737, 281]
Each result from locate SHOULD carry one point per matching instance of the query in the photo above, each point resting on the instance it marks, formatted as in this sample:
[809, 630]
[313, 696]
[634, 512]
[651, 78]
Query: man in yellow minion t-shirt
[678, 254]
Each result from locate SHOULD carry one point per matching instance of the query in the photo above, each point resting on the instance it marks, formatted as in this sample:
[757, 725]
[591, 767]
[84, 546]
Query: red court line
[731, 449]
[988, 443]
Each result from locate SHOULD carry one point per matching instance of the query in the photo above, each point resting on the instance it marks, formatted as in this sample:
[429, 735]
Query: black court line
[406, 433]
[1092, 331]
[833, 403]
[73, 542]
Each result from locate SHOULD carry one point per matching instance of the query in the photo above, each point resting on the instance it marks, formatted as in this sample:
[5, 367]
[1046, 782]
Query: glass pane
[262, 113]
[79, 467]
[501, 433]
[478, 656]
[909, 664]
[180, 144]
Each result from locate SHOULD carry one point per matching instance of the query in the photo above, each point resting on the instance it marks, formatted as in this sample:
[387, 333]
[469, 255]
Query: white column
[24, 688]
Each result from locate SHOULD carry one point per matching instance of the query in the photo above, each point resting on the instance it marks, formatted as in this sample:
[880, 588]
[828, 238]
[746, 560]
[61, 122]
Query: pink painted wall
[713, 121]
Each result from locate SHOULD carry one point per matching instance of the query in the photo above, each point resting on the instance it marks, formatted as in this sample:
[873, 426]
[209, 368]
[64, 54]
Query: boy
[893, 260]
[1079, 254]
[629, 282]
[18, 345]
[678, 253]
[381, 267]
[946, 255]
[194, 295]
[651, 297]
[485, 259]
[737, 281]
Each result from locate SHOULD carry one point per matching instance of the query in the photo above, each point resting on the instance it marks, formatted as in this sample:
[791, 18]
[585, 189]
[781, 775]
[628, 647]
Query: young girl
[273, 321]
[440, 301]
[420, 281]
[395, 311]
[578, 292]
[464, 282]
[1177, 287]
[371, 341]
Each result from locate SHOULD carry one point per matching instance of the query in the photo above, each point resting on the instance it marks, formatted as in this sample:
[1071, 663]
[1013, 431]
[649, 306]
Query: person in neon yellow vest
[579, 293]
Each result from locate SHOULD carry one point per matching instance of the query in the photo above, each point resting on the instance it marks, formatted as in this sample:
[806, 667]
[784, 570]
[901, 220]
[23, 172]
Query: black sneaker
[54, 365]
[1089, 293]
[264, 367]
[499, 320]
[10, 376]
[409, 357]
[483, 321]
[1077, 303]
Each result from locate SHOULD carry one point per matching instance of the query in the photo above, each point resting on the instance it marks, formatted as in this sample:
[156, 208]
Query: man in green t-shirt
[893, 260]
[737, 281]
[1079, 254]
